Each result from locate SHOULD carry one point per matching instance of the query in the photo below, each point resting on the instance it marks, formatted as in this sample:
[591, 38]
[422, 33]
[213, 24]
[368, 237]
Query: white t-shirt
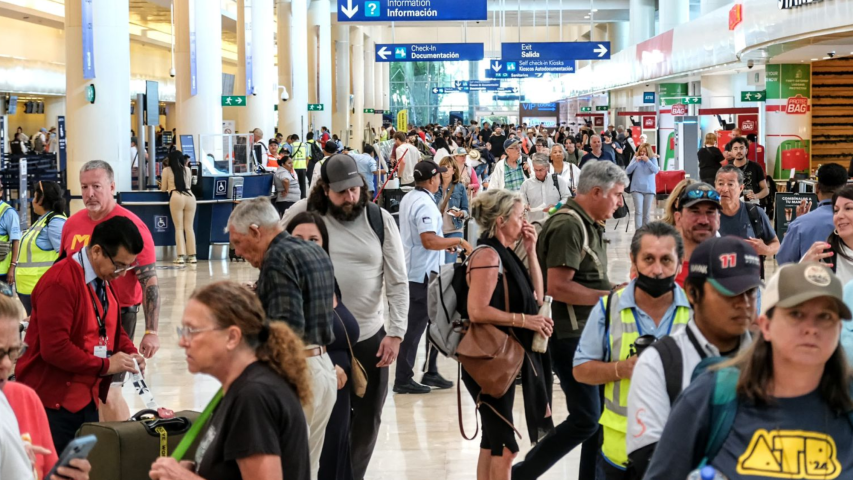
[410, 155]
[843, 267]
[134, 160]
[14, 463]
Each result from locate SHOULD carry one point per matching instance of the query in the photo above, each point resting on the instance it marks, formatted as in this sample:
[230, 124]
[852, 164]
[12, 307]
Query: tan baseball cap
[797, 283]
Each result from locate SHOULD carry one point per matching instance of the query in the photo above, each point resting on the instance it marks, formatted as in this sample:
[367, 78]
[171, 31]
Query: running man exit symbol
[400, 52]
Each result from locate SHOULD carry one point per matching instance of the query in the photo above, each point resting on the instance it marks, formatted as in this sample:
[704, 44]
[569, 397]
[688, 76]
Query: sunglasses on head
[699, 195]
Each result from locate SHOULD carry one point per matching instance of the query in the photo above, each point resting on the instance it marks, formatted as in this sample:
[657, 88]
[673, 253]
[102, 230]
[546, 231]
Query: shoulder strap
[556, 184]
[723, 411]
[446, 199]
[607, 320]
[755, 220]
[673, 366]
[377, 223]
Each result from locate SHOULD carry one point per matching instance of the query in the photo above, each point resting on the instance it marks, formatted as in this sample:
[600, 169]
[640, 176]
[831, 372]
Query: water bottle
[540, 342]
[706, 473]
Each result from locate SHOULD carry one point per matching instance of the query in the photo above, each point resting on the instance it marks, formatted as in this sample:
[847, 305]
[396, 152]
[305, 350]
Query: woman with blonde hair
[257, 428]
[710, 159]
[643, 167]
[669, 208]
[452, 202]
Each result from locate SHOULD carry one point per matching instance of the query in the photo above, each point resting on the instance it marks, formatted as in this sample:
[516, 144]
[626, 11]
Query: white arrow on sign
[497, 67]
[758, 96]
[239, 100]
[349, 10]
[383, 53]
[601, 50]
[458, 83]
[434, 90]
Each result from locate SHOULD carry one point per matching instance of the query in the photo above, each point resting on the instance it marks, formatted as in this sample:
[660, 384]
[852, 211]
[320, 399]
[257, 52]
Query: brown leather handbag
[491, 356]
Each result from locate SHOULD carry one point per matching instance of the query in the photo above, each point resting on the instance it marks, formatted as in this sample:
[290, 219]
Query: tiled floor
[420, 436]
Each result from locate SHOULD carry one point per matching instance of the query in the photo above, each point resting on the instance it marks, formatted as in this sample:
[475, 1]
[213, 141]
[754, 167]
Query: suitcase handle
[140, 415]
[176, 425]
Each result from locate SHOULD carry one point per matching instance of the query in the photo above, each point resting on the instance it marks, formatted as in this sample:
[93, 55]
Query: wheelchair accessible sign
[221, 187]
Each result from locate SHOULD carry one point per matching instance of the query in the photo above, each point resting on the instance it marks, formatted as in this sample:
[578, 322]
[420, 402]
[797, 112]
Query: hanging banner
[63, 156]
[88, 40]
[193, 58]
[247, 22]
[402, 120]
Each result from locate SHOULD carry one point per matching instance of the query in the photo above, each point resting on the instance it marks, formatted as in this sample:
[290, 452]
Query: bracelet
[150, 332]
[14, 264]
[513, 319]
[616, 369]
[523, 320]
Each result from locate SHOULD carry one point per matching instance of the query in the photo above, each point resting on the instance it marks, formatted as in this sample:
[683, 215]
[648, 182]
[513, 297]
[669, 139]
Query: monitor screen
[188, 147]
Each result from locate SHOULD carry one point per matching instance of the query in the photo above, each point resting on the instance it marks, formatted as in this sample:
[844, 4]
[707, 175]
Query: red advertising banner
[679, 110]
[798, 105]
[649, 123]
[735, 16]
[747, 124]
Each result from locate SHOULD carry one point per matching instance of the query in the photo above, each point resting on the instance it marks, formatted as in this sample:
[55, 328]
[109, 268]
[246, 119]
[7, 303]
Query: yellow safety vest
[5, 264]
[33, 262]
[299, 155]
[624, 331]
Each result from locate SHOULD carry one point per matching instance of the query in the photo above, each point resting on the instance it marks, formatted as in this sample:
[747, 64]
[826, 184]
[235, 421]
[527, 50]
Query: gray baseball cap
[798, 283]
[340, 172]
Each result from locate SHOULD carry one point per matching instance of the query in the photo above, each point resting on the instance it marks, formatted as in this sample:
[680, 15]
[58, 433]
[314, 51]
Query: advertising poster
[786, 210]
[788, 119]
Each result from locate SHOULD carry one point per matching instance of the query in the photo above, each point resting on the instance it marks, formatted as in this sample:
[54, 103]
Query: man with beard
[367, 253]
[423, 242]
[722, 287]
[697, 218]
[652, 305]
[755, 185]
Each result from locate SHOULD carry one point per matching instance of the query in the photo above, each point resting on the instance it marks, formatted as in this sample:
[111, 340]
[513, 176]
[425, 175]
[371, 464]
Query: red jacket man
[75, 338]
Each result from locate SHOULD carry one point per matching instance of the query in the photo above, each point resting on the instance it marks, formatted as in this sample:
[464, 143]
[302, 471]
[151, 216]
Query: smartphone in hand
[78, 448]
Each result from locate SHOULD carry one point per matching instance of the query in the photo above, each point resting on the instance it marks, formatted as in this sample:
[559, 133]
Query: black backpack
[316, 153]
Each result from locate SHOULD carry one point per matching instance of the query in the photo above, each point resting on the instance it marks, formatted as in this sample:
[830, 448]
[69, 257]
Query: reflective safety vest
[5, 264]
[624, 331]
[33, 262]
[300, 155]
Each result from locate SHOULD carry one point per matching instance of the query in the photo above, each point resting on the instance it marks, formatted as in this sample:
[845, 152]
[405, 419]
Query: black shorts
[128, 323]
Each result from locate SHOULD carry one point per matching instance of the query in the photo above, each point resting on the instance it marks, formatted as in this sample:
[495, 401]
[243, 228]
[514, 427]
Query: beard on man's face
[348, 211]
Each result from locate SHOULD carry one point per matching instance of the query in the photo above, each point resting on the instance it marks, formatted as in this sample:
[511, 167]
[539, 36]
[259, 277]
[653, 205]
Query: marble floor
[419, 438]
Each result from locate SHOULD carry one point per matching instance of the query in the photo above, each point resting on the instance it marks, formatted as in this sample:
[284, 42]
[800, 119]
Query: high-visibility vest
[5, 264]
[299, 155]
[33, 262]
[624, 331]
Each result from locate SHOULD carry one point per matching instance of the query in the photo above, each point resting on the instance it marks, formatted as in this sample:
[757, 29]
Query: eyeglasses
[188, 333]
[14, 353]
[119, 267]
[698, 194]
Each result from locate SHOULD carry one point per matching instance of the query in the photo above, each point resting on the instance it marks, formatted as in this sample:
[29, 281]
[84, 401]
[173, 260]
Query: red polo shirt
[60, 363]
[78, 231]
[32, 421]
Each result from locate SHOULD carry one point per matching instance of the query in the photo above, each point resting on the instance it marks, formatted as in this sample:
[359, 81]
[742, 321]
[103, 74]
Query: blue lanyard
[640, 329]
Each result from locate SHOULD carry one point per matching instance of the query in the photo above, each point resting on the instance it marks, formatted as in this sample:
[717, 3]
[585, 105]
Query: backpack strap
[723, 411]
[607, 322]
[557, 184]
[673, 366]
[755, 220]
[377, 223]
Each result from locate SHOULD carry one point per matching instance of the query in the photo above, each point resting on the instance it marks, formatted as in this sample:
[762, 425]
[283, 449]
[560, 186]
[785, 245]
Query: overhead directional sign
[532, 66]
[759, 96]
[491, 73]
[556, 51]
[428, 52]
[665, 102]
[368, 110]
[483, 86]
[586, 109]
[649, 97]
[234, 101]
[315, 107]
[410, 10]
[443, 90]
[602, 108]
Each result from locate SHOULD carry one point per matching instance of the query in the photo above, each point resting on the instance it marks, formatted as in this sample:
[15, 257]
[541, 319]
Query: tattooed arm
[147, 276]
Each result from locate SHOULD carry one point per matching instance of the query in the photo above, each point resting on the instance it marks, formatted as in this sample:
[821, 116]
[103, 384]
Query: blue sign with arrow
[443, 90]
[556, 51]
[502, 74]
[533, 66]
[410, 10]
[428, 52]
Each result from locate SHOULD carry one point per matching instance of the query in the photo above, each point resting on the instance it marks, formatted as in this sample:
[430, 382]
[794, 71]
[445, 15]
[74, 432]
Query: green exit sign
[759, 96]
[315, 107]
[602, 108]
[368, 110]
[586, 109]
[666, 102]
[234, 101]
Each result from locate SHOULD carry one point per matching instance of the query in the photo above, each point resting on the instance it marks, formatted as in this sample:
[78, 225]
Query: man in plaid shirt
[511, 172]
[296, 285]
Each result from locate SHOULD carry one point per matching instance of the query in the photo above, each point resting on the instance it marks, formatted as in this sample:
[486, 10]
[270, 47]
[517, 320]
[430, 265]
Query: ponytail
[280, 349]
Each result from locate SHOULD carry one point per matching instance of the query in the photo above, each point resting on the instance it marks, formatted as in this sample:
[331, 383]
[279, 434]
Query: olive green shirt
[560, 244]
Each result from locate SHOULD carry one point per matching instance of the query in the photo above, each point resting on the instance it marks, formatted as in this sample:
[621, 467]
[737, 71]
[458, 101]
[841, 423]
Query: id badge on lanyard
[101, 349]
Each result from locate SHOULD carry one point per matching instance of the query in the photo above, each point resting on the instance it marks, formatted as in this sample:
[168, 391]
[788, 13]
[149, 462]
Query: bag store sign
[798, 105]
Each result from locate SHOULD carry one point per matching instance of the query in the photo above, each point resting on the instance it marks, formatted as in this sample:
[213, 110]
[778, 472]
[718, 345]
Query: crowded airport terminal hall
[426, 239]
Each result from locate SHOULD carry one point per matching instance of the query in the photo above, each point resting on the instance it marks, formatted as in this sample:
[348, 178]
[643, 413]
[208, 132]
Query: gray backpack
[445, 291]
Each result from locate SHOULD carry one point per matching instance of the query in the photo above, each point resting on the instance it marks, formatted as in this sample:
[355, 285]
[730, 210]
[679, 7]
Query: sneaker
[192, 260]
[411, 387]
[179, 260]
[436, 380]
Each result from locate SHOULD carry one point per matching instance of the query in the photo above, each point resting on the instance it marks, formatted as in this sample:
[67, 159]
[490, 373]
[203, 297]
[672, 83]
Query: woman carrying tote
[177, 179]
[500, 215]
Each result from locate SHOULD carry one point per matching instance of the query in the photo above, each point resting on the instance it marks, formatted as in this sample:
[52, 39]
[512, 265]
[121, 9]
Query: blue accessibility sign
[556, 51]
[429, 52]
[410, 10]
[532, 66]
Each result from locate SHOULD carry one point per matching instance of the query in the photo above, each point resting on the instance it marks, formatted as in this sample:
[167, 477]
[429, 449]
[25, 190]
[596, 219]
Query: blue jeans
[451, 257]
[643, 204]
[581, 427]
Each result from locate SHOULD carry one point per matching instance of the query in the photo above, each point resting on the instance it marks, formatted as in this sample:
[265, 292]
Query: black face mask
[655, 287]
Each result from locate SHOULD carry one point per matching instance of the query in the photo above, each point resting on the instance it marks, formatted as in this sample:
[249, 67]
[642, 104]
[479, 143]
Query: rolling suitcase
[126, 450]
